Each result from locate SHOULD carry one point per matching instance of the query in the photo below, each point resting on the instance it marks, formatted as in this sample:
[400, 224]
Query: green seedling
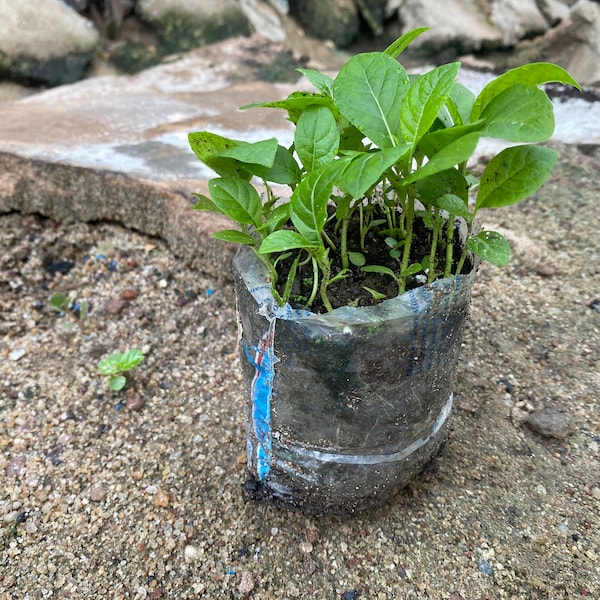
[411, 270]
[61, 303]
[374, 293]
[116, 364]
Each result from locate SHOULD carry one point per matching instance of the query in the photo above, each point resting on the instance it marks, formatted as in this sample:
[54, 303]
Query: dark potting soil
[352, 289]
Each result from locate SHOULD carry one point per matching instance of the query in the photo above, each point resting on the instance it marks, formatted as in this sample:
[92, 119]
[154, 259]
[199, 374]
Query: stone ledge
[68, 193]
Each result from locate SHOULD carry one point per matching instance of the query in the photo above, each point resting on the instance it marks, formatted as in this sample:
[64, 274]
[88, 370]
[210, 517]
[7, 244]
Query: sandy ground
[137, 494]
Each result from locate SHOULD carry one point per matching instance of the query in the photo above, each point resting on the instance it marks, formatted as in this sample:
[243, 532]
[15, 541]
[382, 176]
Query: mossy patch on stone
[180, 32]
[282, 69]
[53, 71]
[132, 57]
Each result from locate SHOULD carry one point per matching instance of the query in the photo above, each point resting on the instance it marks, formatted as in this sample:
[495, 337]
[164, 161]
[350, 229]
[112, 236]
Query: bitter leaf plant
[117, 364]
[387, 148]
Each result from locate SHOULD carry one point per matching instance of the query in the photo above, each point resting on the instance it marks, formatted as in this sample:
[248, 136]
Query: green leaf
[425, 98]
[513, 175]
[262, 153]
[412, 270]
[426, 217]
[368, 91]
[396, 48]
[205, 203]
[234, 236]
[342, 274]
[342, 206]
[118, 362]
[237, 199]
[449, 181]
[357, 258]
[491, 246]
[519, 114]
[365, 169]
[531, 74]
[110, 365]
[285, 169]
[130, 359]
[379, 269]
[278, 217]
[374, 293]
[317, 137]
[461, 103]
[59, 301]
[295, 104]
[283, 240]
[308, 204]
[472, 181]
[350, 137]
[117, 382]
[323, 83]
[455, 153]
[452, 204]
[433, 142]
[207, 146]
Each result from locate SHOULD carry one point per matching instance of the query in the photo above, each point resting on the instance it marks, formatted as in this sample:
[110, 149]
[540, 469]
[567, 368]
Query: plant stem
[465, 249]
[362, 226]
[329, 241]
[287, 292]
[315, 287]
[449, 245]
[264, 258]
[324, 282]
[270, 198]
[394, 209]
[388, 216]
[434, 242]
[344, 244]
[409, 219]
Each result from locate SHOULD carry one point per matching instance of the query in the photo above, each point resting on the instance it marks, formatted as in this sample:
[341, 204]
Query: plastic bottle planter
[345, 408]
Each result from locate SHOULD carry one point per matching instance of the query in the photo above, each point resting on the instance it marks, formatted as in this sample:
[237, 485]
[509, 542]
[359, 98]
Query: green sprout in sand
[116, 364]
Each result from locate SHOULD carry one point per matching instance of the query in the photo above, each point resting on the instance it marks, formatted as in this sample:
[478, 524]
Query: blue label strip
[262, 391]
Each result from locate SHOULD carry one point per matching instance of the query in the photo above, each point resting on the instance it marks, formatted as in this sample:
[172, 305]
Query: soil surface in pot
[363, 288]
[138, 493]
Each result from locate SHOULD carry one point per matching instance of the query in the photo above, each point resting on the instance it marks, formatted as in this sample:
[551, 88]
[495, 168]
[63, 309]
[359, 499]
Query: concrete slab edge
[67, 193]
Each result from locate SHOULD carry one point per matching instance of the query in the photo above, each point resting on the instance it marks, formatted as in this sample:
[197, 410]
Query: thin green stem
[449, 245]
[271, 198]
[344, 244]
[324, 283]
[362, 226]
[465, 249]
[389, 217]
[287, 292]
[329, 241]
[434, 243]
[315, 287]
[409, 220]
[264, 258]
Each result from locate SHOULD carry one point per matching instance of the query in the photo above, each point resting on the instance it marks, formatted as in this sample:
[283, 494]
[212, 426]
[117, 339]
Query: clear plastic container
[345, 408]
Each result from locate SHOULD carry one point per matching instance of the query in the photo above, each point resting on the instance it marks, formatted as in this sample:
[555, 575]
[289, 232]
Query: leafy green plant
[380, 157]
[116, 364]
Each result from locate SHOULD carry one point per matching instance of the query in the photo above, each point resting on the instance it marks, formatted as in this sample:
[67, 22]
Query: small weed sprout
[77, 310]
[116, 364]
